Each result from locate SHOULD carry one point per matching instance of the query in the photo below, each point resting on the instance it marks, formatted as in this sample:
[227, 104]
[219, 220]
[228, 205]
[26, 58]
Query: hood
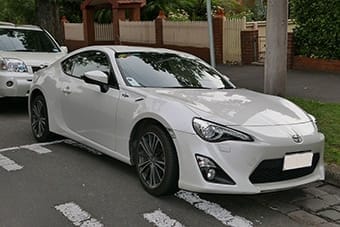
[237, 106]
[33, 58]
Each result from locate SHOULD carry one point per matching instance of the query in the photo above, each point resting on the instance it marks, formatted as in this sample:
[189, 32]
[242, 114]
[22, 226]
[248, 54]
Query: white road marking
[78, 216]
[214, 210]
[161, 220]
[9, 164]
[37, 149]
[35, 145]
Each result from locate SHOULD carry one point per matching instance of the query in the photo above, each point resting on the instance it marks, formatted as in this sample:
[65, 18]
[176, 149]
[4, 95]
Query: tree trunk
[47, 16]
[276, 47]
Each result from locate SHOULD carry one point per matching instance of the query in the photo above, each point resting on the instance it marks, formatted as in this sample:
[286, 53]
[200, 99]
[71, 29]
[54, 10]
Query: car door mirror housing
[99, 78]
[64, 49]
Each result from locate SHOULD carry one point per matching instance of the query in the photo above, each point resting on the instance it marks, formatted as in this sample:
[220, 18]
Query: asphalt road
[64, 184]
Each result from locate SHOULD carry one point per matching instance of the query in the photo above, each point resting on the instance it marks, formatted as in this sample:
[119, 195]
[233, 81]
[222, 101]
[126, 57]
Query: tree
[47, 16]
[9, 11]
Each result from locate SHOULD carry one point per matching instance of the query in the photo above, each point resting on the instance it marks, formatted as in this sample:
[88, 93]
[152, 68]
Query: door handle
[67, 90]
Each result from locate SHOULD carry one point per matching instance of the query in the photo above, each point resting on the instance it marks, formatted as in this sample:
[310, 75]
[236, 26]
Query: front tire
[157, 163]
[39, 119]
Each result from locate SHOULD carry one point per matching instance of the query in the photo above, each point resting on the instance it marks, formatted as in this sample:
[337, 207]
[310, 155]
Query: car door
[89, 114]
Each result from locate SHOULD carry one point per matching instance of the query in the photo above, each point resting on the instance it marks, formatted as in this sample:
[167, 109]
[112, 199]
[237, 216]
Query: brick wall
[324, 65]
[290, 50]
[218, 27]
[249, 46]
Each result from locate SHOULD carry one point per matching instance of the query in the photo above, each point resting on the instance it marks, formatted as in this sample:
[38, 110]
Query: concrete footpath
[320, 86]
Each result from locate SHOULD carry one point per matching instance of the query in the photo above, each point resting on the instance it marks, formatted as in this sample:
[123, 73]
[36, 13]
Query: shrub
[318, 28]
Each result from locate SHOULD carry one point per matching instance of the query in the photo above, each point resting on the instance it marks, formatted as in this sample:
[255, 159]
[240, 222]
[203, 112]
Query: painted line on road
[36, 147]
[214, 210]
[9, 164]
[159, 219]
[77, 216]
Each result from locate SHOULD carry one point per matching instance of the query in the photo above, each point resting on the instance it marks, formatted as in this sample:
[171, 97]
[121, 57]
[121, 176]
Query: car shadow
[13, 106]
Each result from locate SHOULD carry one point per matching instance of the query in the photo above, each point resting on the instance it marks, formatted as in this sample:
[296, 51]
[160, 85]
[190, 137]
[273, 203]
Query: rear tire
[156, 161]
[39, 119]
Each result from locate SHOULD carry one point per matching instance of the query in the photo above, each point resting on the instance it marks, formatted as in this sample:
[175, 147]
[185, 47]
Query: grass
[328, 121]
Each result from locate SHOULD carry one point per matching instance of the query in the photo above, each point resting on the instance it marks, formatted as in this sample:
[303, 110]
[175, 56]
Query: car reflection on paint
[177, 120]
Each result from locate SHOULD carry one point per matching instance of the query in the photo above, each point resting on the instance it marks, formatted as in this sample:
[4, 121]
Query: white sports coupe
[177, 120]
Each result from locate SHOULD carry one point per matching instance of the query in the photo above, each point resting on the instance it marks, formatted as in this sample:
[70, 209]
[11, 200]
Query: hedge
[317, 33]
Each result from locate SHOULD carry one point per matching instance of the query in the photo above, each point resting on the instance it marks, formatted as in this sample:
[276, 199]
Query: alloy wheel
[39, 118]
[151, 160]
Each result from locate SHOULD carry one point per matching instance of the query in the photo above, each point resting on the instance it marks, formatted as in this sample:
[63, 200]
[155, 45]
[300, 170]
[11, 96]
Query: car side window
[79, 64]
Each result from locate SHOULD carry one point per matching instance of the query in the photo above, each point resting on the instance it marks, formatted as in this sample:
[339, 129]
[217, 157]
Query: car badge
[297, 138]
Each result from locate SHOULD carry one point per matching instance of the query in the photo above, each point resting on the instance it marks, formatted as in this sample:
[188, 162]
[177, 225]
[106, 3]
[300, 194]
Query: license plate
[296, 161]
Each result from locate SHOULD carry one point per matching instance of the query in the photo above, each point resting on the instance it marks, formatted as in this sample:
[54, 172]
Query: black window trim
[113, 84]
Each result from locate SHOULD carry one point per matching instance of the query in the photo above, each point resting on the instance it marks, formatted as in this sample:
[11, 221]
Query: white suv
[24, 50]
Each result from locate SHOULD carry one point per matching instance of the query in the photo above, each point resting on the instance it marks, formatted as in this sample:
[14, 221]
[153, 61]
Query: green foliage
[18, 12]
[258, 12]
[71, 9]
[328, 120]
[318, 28]
[178, 15]
[196, 9]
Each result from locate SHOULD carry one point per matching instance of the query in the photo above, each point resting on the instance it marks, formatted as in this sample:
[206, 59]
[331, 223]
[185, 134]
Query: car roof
[122, 48]
[131, 49]
[23, 26]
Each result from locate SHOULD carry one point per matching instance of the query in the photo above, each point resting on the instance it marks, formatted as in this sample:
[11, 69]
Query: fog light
[211, 172]
[9, 83]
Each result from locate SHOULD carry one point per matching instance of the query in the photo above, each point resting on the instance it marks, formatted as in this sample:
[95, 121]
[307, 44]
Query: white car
[178, 120]
[24, 50]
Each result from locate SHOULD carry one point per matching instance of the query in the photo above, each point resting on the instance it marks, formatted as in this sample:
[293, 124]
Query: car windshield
[26, 40]
[168, 70]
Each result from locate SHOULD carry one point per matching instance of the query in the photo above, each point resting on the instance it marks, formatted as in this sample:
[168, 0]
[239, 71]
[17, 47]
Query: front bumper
[240, 159]
[20, 87]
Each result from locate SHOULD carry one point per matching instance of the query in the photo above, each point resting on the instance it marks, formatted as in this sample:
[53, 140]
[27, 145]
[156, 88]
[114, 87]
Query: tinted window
[168, 70]
[79, 64]
[26, 40]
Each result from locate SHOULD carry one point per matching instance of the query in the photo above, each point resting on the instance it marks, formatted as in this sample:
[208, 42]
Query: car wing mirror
[64, 49]
[98, 78]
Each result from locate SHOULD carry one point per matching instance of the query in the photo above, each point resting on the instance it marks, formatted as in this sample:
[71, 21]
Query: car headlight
[212, 132]
[314, 121]
[13, 65]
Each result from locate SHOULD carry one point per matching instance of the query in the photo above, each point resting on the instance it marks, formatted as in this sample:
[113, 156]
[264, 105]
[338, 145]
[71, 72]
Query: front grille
[272, 171]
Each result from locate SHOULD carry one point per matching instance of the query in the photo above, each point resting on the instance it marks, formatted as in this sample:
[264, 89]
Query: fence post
[88, 22]
[218, 28]
[249, 46]
[63, 20]
[115, 23]
[159, 29]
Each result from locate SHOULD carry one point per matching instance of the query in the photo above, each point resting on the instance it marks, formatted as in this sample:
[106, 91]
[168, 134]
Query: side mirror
[64, 49]
[98, 78]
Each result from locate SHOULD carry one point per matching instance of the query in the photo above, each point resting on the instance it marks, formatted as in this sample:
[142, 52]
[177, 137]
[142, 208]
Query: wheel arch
[137, 127]
[35, 93]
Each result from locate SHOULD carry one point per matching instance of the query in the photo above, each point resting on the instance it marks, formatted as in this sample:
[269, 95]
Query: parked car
[181, 123]
[24, 50]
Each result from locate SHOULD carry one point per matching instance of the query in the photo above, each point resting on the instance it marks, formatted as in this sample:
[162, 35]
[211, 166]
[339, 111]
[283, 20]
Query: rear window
[26, 41]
